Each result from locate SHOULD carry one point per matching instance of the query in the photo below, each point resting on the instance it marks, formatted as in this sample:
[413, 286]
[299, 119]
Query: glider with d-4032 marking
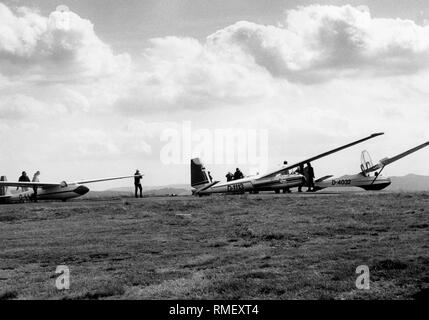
[47, 191]
[364, 179]
[277, 180]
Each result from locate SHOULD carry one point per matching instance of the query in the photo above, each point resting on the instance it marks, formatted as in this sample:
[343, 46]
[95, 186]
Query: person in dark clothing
[238, 174]
[23, 178]
[210, 176]
[229, 176]
[300, 170]
[137, 184]
[310, 177]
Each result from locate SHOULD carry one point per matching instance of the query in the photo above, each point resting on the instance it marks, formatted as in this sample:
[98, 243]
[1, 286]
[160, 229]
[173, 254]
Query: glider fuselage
[356, 180]
[62, 193]
[254, 184]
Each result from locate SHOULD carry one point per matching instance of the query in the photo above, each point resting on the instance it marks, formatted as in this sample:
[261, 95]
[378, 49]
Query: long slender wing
[384, 162]
[28, 184]
[321, 155]
[46, 185]
[107, 179]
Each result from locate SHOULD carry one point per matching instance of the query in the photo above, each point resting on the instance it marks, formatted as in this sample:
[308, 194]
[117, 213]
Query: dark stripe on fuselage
[276, 182]
[50, 194]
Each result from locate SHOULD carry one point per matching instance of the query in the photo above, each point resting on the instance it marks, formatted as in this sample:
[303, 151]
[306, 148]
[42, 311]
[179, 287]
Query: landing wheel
[277, 191]
[64, 200]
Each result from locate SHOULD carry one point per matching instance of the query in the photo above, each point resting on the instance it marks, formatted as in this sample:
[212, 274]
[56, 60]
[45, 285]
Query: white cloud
[182, 73]
[318, 43]
[49, 49]
[88, 144]
[240, 64]
[248, 62]
[20, 106]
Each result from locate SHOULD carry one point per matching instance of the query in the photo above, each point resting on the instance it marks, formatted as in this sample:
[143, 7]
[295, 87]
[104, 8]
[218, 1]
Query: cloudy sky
[95, 91]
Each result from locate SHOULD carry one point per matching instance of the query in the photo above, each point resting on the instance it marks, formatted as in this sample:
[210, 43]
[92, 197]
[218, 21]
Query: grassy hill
[410, 182]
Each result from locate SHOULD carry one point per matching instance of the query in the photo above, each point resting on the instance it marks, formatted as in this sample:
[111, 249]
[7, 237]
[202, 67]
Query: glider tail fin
[199, 176]
[3, 190]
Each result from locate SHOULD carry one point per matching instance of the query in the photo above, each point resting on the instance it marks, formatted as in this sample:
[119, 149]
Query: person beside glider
[300, 170]
[309, 175]
[35, 179]
[23, 178]
[137, 184]
[238, 174]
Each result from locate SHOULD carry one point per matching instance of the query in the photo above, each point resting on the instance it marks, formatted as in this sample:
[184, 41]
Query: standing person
[310, 180]
[35, 179]
[210, 176]
[238, 174]
[137, 183]
[23, 178]
[300, 170]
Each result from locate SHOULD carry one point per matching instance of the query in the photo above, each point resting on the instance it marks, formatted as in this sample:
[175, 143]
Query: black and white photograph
[223, 150]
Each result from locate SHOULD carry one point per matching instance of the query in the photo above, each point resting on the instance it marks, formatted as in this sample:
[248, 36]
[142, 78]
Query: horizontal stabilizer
[323, 178]
[197, 191]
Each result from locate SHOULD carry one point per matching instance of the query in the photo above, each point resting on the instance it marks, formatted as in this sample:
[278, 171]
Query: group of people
[25, 178]
[308, 173]
[237, 175]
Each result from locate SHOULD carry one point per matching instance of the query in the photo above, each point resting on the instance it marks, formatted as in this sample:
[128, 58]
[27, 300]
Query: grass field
[219, 247]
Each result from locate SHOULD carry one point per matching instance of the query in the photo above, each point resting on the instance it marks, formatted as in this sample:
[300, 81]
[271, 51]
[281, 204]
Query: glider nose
[81, 190]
